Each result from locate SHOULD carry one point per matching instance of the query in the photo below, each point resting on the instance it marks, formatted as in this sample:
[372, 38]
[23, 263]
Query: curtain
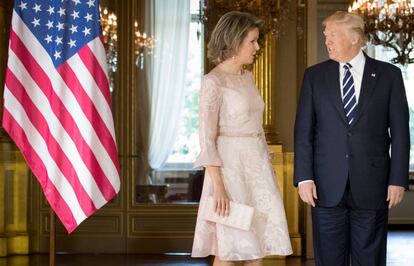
[166, 75]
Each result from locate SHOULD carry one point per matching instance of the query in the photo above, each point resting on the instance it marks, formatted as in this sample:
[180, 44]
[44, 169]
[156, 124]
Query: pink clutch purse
[240, 216]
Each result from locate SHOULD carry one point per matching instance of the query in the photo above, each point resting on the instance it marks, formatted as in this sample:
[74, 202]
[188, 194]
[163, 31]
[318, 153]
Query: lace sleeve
[209, 106]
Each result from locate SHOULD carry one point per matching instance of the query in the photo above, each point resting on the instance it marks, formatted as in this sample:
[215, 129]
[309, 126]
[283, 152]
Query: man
[352, 108]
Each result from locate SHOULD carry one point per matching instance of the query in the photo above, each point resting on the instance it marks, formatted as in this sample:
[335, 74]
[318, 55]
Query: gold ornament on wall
[389, 23]
[274, 13]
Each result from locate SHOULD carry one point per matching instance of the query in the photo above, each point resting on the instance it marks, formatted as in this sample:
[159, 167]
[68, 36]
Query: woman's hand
[222, 202]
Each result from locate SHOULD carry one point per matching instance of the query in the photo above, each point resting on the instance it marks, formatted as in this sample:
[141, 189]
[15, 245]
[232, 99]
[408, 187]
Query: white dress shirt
[357, 70]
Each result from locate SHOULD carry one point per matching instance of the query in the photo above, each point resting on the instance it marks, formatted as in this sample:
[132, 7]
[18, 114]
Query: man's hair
[229, 33]
[354, 23]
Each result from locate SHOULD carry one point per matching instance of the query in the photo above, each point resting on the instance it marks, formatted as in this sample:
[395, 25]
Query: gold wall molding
[105, 223]
[161, 228]
[283, 166]
[14, 174]
[170, 220]
[265, 76]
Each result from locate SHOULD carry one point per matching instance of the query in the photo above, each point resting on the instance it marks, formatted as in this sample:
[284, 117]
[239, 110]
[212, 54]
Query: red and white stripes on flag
[61, 120]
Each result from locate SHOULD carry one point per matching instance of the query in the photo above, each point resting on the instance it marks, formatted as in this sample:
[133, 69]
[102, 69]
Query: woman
[234, 151]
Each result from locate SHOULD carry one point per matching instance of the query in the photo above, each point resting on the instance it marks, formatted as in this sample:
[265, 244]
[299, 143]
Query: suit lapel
[369, 78]
[332, 79]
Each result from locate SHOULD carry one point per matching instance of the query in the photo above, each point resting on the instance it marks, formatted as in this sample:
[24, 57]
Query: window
[386, 55]
[186, 147]
[177, 182]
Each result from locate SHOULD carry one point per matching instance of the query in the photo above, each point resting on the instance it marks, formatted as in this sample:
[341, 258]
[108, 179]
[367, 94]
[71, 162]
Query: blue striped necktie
[349, 96]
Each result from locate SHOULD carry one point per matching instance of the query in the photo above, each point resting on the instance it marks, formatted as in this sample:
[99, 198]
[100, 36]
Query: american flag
[57, 105]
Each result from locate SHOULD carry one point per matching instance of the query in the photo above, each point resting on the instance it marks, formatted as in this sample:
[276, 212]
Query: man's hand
[307, 192]
[395, 195]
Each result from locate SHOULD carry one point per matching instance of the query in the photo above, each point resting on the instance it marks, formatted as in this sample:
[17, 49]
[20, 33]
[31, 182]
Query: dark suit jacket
[329, 151]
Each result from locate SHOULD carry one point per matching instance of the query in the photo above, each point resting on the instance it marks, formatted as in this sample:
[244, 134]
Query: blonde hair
[229, 33]
[354, 23]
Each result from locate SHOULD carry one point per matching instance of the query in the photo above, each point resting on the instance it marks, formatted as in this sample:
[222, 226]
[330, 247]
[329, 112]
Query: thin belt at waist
[240, 135]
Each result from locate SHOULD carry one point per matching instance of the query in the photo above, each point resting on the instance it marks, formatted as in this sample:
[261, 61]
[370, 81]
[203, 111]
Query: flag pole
[52, 238]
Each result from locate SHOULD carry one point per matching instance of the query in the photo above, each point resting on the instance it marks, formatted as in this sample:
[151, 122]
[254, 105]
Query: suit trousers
[346, 234]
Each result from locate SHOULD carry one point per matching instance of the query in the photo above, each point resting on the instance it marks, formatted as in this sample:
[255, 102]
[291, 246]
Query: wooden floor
[130, 260]
[400, 253]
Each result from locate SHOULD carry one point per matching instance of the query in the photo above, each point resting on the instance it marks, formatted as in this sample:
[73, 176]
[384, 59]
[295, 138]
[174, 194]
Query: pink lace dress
[231, 137]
